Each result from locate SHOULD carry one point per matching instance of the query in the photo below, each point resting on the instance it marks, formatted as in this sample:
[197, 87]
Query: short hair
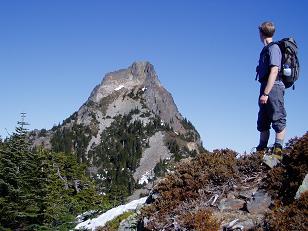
[267, 29]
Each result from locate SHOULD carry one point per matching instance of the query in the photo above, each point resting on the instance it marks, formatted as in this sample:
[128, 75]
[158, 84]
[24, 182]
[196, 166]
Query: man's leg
[279, 115]
[264, 137]
[278, 145]
[280, 138]
[263, 126]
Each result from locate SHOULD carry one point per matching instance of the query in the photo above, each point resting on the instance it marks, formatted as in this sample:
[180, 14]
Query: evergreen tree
[9, 186]
[70, 190]
[21, 202]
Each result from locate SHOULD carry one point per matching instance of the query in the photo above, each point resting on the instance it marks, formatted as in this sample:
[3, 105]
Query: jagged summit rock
[139, 73]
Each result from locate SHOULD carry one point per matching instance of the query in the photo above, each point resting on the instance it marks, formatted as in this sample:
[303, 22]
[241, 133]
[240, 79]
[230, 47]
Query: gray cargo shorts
[273, 112]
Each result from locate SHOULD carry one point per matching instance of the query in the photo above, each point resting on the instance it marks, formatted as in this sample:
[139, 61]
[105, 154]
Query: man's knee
[263, 124]
[279, 126]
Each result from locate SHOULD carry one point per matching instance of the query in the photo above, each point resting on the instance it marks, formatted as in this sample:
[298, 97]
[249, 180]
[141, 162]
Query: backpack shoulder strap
[271, 44]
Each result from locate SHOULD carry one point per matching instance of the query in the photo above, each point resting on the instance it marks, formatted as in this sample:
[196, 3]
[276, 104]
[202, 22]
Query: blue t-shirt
[270, 56]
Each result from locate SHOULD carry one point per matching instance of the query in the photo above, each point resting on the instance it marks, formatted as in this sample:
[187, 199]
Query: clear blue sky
[53, 53]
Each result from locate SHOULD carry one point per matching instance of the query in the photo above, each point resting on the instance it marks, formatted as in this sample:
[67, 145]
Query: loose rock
[270, 160]
[231, 204]
[259, 203]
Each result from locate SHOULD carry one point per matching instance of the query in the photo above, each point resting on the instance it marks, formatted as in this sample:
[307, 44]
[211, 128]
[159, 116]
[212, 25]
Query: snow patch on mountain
[146, 177]
[119, 88]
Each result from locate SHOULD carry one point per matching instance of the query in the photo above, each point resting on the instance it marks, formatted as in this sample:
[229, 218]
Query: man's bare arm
[270, 83]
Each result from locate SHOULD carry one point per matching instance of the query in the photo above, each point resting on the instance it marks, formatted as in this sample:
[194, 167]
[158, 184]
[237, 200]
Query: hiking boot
[261, 148]
[277, 151]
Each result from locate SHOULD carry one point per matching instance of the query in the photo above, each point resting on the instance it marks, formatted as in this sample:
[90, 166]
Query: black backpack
[289, 62]
[289, 71]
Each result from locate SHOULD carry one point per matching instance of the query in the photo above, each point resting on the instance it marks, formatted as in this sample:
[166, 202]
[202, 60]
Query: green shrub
[114, 224]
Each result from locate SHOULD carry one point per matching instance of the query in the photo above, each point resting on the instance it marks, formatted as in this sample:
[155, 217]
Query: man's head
[267, 30]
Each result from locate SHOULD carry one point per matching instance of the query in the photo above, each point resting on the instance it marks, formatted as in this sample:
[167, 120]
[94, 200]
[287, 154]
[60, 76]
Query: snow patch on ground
[92, 224]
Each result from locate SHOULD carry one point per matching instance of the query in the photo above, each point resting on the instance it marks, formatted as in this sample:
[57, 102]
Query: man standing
[271, 98]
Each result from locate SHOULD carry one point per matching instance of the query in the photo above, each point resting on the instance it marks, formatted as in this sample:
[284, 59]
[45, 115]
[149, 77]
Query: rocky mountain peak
[139, 77]
[129, 117]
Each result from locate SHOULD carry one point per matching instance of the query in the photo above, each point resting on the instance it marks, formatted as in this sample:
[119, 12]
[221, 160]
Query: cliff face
[129, 116]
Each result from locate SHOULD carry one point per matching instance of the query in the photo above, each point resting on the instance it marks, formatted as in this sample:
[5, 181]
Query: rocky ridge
[220, 191]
